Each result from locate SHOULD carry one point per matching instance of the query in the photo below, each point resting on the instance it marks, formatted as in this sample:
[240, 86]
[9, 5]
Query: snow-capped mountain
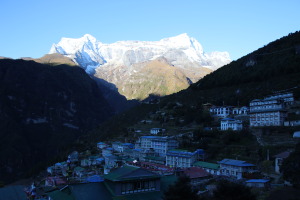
[125, 57]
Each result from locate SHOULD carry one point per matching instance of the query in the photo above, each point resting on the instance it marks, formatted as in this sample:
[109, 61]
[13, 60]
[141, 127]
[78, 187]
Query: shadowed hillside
[42, 109]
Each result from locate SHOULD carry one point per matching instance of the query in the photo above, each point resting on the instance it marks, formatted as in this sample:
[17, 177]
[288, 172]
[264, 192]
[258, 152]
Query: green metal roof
[155, 158]
[129, 173]
[116, 174]
[207, 165]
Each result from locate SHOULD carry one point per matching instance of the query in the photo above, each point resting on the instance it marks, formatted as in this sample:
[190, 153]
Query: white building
[270, 111]
[101, 145]
[154, 131]
[240, 110]
[158, 143]
[231, 124]
[235, 168]
[221, 111]
[120, 147]
[183, 158]
[225, 111]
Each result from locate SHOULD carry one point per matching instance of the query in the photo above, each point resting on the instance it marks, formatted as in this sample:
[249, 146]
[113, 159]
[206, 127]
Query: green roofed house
[130, 180]
[211, 168]
[125, 183]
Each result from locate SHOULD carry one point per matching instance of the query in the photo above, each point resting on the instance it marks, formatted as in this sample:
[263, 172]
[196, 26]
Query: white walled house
[183, 158]
[235, 168]
[225, 111]
[221, 111]
[154, 131]
[240, 110]
[159, 144]
[231, 124]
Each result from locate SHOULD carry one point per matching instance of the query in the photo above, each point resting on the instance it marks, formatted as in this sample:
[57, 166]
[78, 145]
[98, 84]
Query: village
[147, 166]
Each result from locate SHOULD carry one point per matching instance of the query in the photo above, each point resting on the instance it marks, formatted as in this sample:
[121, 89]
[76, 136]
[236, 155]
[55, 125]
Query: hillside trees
[291, 167]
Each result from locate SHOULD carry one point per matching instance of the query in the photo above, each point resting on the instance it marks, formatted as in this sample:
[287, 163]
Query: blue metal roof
[95, 179]
[228, 119]
[137, 149]
[258, 181]
[239, 163]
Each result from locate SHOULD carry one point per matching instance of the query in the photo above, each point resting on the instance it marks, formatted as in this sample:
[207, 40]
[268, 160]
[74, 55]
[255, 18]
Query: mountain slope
[162, 79]
[182, 52]
[55, 59]
[42, 109]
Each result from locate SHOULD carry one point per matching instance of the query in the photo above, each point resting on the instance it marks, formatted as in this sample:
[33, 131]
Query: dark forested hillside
[274, 67]
[271, 68]
[43, 109]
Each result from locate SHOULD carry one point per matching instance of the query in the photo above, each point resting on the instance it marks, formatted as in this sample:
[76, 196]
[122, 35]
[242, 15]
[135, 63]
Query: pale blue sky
[29, 28]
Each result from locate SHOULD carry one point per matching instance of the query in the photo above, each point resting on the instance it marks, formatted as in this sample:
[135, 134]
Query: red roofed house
[197, 175]
[55, 181]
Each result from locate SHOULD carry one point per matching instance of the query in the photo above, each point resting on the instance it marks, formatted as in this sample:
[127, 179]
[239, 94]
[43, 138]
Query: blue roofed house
[108, 151]
[258, 183]
[101, 145]
[121, 147]
[235, 168]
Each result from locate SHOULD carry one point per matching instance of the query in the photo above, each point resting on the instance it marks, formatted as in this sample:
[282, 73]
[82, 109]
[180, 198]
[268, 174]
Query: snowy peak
[179, 50]
[183, 41]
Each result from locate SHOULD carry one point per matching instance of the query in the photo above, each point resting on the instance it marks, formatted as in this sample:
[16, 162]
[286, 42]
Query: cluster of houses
[272, 110]
[146, 168]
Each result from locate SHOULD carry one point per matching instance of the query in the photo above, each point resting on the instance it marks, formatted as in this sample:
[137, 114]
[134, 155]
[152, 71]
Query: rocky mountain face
[43, 108]
[120, 63]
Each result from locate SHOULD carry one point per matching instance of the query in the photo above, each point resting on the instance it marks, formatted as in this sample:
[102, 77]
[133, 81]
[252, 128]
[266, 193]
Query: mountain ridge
[182, 52]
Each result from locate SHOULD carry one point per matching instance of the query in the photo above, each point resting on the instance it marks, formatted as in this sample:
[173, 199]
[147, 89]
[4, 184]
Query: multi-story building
[233, 124]
[270, 111]
[183, 158]
[235, 168]
[158, 143]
